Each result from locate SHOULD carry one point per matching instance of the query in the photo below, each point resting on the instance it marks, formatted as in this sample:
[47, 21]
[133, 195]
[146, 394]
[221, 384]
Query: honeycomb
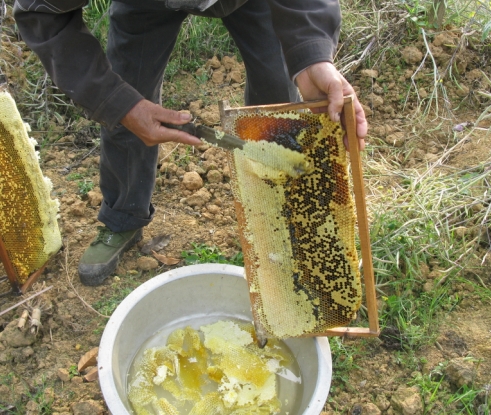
[224, 374]
[297, 226]
[28, 225]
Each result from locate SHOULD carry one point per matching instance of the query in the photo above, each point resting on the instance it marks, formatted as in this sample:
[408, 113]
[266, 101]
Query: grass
[84, 184]
[200, 39]
[107, 305]
[37, 398]
[425, 229]
[373, 31]
[204, 254]
[467, 400]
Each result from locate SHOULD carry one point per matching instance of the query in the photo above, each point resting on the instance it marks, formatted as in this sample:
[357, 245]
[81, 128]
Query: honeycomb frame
[228, 117]
[29, 233]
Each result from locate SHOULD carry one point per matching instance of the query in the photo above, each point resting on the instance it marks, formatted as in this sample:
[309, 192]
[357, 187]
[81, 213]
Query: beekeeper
[284, 44]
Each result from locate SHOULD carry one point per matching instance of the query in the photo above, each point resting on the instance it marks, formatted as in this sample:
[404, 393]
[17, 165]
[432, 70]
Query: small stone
[170, 168]
[217, 77]
[194, 167]
[462, 90]
[428, 287]
[236, 77]
[78, 208]
[210, 116]
[77, 380]
[63, 374]
[370, 409]
[95, 198]
[213, 63]
[412, 55]
[229, 63]
[214, 176]
[369, 73]
[192, 180]
[32, 408]
[356, 409]
[27, 351]
[374, 100]
[147, 263]
[444, 39]
[195, 106]
[382, 402]
[396, 139]
[207, 215]
[15, 337]
[407, 401]
[460, 372]
[6, 394]
[368, 111]
[226, 171]
[214, 209]
[460, 232]
[210, 164]
[212, 152]
[68, 227]
[200, 198]
[89, 407]
[430, 158]
[422, 93]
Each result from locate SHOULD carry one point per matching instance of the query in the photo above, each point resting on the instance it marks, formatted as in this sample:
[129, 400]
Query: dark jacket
[54, 29]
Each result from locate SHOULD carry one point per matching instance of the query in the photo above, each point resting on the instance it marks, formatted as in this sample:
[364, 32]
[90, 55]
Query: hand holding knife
[210, 135]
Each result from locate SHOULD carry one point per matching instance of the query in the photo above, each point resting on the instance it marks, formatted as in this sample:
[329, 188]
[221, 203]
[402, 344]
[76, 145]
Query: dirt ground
[39, 376]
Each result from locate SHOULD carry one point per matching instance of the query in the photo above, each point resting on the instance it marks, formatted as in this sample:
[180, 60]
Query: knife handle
[189, 128]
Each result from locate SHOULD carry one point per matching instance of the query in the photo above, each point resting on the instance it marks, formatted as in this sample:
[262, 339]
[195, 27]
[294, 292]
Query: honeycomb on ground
[225, 374]
[297, 227]
[28, 225]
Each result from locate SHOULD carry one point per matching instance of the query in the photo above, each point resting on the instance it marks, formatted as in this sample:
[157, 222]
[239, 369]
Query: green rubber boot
[102, 256]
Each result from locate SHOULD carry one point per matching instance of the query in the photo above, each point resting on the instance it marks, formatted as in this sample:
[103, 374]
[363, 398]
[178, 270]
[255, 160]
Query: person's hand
[145, 118]
[322, 80]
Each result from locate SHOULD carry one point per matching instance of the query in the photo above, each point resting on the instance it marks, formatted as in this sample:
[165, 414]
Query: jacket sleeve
[74, 59]
[308, 31]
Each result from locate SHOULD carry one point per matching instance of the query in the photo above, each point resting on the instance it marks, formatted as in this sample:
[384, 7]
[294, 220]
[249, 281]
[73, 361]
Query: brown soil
[72, 326]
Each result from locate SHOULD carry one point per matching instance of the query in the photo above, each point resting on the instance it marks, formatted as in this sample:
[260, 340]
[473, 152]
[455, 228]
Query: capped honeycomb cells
[298, 235]
[28, 225]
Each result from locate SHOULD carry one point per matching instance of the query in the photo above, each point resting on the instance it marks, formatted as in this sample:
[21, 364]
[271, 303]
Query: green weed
[74, 176]
[17, 403]
[96, 16]
[344, 357]
[85, 187]
[84, 184]
[107, 305]
[204, 254]
[424, 234]
[468, 400]
[73, 371]
[200, 39]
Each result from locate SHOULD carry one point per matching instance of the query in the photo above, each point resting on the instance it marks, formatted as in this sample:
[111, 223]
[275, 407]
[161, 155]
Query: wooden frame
[227, 114]
[17, 288]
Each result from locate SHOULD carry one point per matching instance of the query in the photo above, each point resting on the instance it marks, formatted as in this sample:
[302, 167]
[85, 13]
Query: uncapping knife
[210, 135]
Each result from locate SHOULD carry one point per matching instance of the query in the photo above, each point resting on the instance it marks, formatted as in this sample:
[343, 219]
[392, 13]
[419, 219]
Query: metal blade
[210, 135]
